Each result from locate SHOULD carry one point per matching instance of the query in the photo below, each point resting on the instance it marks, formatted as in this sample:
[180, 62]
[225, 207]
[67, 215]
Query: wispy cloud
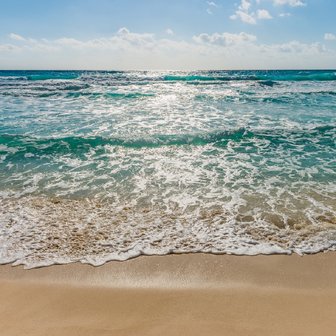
[16, 37]
[245, 14]
[285, 14]
[263, 14]
[9, 48]
[211, 6]
[291, 3]
[299, 48]
[224, 39]
[329, 37]
[169, 32]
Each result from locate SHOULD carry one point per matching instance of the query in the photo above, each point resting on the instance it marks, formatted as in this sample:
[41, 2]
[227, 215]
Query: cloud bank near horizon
[130, 50]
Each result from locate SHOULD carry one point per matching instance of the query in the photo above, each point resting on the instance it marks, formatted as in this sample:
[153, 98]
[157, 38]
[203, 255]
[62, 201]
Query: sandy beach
[192, 294]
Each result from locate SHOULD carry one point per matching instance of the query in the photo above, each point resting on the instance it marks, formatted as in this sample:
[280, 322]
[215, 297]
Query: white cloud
[224, 39]
[285, 14]
[211, 7]
[135, 39]
[263, 14]
[8, 48]
[130, 50]
[292, 3]
[212, 4]
[16, 37]
[244, 14]
[329, 37]
[296, 47]
[169, 32]
[245, 5]
[65, 41]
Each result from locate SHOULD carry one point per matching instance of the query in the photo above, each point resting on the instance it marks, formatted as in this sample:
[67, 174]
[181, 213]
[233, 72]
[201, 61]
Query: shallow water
[96, 166]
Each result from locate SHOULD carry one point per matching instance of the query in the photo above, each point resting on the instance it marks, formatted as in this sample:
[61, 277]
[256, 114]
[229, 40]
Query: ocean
[109, 165]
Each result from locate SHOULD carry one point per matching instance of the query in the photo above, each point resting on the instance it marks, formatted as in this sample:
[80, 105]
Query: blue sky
[161, 34]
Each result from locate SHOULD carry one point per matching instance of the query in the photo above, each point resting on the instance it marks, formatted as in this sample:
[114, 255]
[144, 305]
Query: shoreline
[41, 231]
[193, 294]
[196, 270]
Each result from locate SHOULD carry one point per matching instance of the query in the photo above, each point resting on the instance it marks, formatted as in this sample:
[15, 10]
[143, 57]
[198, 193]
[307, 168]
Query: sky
[162, 34]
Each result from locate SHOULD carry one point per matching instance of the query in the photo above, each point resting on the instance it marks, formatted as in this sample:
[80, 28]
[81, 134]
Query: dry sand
[173, 295]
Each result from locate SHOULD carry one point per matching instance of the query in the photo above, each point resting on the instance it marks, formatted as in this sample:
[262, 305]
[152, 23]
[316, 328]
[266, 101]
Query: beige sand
[173, 295]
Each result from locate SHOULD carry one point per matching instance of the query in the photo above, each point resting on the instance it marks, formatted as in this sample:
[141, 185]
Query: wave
[264, 78]
[77, 94]
[267, 77]
[39, 75]
[64, 230]
[47, 76]
[116, 95]
[269, 83]
[73, 143]
[295, 97]
[311, 77]
[190, 78]
[15, 144]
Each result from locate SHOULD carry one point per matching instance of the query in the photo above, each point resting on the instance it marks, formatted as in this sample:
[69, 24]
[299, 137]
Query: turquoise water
[96, 166]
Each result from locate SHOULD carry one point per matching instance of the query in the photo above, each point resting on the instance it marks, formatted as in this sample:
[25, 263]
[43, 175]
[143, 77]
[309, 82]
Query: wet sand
[193, 294]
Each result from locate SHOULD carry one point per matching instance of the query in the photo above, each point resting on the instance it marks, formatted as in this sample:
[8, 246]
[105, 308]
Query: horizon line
[182, 70]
